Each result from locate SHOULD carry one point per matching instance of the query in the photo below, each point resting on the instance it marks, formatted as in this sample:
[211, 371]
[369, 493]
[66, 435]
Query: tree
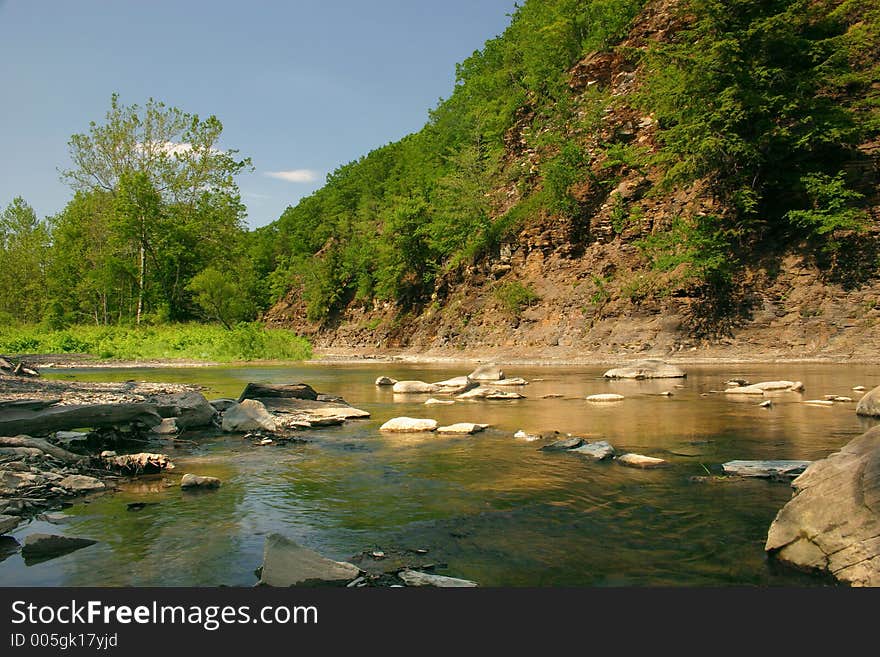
[223, 296]
[173, 195]
[24, 242]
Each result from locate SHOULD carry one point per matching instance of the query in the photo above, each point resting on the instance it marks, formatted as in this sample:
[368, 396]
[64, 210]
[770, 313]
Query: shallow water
[492, 508]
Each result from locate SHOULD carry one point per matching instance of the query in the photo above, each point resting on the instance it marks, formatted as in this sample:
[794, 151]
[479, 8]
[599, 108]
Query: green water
[491, 508]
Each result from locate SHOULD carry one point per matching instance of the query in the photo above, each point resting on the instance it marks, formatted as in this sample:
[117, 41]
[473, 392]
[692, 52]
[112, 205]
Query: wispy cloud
[169, 147]
[295, 175]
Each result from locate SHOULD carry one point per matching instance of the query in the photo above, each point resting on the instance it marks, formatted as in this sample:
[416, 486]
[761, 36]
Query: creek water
[487, 507]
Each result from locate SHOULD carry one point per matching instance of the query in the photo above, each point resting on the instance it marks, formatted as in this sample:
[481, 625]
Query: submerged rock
[869, 405]
[598, 450]
[248, 415]
[418, 578]
[287, 563]
[463, 427]
[487, 372]
[646, 369]
[196, 481]
[641, 461]
[48, 546]
[832, 523]
[769, 469]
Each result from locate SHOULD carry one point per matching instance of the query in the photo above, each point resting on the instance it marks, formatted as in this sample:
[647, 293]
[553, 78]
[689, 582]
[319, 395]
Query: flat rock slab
[415, 388]
[315, 409]
[514, 381]
[770, 469]
[832, 523]
[565, 444]
[248, 415]
[489, 393]
[281, 390]
[597, 450]
[646, 369]
[641, 461]
[418, 578]
[463, 428]
[8, 523]
[605, 398]
[48, 546]
[439, 402]
[287, 563]
[196, 481]
[408, 425]
[766, 386]
[81, 484]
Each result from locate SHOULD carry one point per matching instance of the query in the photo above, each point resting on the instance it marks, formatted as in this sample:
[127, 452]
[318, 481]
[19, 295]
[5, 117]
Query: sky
[301, 87]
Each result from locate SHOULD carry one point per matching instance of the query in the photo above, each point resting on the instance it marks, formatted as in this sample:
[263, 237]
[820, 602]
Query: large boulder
[190, 409]
[869, 405]
[832, 523]
[415, 387]
[646, 369]
[248, 415]
[287, 563]
[408, 425]
[487, 372]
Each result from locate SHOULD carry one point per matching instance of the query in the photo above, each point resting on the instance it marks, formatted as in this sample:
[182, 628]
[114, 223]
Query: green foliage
[560, 173]
[832, 206]
[245, 341]
[24, 241]
[515, 297]
[222, 296]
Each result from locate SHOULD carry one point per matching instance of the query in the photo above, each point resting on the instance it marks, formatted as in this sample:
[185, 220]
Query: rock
[832, 523]
[839, 398]
[444, 402]
[69, 439]
[769, 469]
[869, 405]
[307, 409]
[77, 416]
[530, 437]
[456, 385]
[818, 402]
[646, 369]
[418, 578]
[81, 484]
[515, 381]
[108, 453]
[640, 461]
[140, 463]
[414, 387]
[279, 390]
[385, 381]
[605, 397]
[766, 404]
[408, 425]
[859, 388]
[745, 390]
[565, 444]
[48, 546]
[196, 481]
[489, 393]
[190, 409]
[733, 383]
[168, 426]
[222, 404]
[248, 415]
[487, 372]
[8, 523]
[598, 450]
[286, 563]
[463, 428]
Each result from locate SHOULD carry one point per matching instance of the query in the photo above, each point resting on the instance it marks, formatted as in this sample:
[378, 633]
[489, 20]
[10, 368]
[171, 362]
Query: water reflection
[495, 509]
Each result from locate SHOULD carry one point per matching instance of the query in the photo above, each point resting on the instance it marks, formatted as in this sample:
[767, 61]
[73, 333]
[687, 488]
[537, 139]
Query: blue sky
[300, 86]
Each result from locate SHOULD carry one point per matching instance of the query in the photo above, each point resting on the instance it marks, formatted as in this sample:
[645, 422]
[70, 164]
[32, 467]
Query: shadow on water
[491, 508]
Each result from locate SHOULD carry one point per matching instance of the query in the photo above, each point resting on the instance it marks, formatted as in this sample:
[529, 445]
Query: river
[488, 507]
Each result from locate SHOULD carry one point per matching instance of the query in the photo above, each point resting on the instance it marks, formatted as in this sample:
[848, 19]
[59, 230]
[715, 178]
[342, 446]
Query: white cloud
[170, 147]
[295, 175]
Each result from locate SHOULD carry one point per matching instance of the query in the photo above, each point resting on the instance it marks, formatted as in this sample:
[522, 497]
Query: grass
[247, 341]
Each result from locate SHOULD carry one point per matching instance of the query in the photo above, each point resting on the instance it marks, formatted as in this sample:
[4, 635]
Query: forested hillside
[660, 169]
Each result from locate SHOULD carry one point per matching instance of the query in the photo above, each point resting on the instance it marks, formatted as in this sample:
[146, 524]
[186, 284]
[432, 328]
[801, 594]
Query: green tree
[222, 296]
[24, 241]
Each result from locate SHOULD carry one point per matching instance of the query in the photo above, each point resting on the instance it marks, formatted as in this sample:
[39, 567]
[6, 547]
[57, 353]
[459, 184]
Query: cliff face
[581, 287]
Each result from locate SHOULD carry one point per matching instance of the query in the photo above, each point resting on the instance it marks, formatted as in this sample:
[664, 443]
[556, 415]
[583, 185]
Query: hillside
[613, 177]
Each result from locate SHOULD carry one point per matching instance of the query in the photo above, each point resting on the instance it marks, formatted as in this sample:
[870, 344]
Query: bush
[515, 297]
